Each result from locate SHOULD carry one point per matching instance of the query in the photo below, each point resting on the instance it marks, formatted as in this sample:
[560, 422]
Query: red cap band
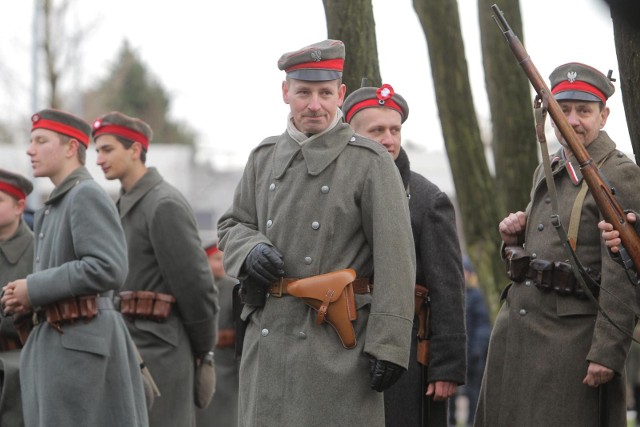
[329, 64]
[12, 191]
[63, 129]
[124, 132]
[390, 103]
[580, 86]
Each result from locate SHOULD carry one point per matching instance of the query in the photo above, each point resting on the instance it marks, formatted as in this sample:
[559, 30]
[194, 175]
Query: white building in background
[208, 190]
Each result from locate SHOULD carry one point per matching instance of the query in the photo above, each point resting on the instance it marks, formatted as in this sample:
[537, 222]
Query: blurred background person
[478, 333]
[223, 409]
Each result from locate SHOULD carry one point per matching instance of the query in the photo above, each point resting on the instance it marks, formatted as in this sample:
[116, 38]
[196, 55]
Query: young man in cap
[223, 410]
[16, 262]
[16, 243]
[313, 200]
[420, 397]
[78, 366]
[167, 267]
[554, 359]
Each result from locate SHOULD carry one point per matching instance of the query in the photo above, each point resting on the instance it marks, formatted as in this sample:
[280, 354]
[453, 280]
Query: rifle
[604, 197]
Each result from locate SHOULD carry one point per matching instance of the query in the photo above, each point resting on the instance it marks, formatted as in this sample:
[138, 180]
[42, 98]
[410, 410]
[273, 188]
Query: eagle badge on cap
[572, 76]
[316, 55]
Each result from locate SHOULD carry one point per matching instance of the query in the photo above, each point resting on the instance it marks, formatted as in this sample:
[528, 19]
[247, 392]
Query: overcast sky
[218, 59]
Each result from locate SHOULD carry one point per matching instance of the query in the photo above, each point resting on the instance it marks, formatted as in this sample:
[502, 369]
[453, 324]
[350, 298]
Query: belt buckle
[276, 288]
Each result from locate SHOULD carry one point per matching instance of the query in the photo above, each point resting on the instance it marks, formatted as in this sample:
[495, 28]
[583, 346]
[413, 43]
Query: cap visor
[315, 75]
[576, 95]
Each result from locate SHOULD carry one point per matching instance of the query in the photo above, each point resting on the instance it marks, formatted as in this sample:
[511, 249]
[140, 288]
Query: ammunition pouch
[149, 305]
[332, 296]
[558, 277]
[517, 262]
[423, 312]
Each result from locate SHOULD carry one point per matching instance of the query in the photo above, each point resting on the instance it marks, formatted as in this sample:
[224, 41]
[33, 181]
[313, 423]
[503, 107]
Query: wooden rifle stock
[609, 207]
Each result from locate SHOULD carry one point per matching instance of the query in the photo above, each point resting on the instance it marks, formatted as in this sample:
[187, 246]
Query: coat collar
[317, 154]
[15, 247]
[598, 150]
[128, 199]
[73, 179]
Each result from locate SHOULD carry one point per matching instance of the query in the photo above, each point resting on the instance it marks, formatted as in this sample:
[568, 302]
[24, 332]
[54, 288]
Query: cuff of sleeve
[202, 335]
[389, 338]
[447, 358]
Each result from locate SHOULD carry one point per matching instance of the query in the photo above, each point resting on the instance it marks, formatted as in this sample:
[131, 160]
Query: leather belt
[279, 288]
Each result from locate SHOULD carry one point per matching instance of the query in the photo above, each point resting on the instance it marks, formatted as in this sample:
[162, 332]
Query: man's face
[586, 118]
[48, 153]
[383, 125]
[10, 210]
[313, 104]
[113, 158]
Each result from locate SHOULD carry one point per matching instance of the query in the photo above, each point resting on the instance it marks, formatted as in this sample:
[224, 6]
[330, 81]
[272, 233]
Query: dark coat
[334, 202]
[542, 343]
[166, 255]
[439, 267]
[88, 375]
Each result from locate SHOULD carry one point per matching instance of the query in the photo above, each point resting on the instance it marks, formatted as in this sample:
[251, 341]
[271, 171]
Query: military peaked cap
[318, 62]
[580, 82]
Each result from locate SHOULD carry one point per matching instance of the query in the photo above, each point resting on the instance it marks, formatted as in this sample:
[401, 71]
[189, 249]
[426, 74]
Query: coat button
[324, 189]
[315, 225]
[534, 255]
[46, 212]
[269, 223]
[353, 138]
[540, 227]
[41, 235]
[302, 335]
[307, 260]
[527, 282]
[523, 312]
[547, 200]
[37, 259]
[264, 332]
[272, 187]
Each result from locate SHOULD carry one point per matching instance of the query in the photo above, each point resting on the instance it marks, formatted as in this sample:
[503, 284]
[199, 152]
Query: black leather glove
[384, 374]
[264, 264]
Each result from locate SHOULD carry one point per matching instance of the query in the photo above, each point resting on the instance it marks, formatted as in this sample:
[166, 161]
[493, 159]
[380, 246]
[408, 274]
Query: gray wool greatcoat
[166, 255]
[88, 375]
[16, 262]
[334, 202]
[542, 342]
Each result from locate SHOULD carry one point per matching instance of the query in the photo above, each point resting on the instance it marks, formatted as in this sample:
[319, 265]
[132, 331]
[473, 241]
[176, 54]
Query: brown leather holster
[423, 311]
[331, 295]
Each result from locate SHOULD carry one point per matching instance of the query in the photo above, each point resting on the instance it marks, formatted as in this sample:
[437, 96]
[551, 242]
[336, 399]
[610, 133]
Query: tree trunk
[352, 22]
[626, 32]
[514, 144]
[475, 188]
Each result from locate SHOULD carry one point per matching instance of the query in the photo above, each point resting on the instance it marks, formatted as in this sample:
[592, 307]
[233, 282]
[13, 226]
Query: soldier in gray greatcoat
[223, 410]
[316, 199]
[166, 261]
[420, 397]
[16, 262]
[554, 358]
[78, 365]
